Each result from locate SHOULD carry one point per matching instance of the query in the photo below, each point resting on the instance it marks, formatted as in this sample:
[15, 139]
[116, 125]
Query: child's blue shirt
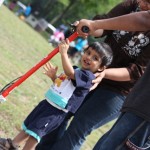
[68, 94]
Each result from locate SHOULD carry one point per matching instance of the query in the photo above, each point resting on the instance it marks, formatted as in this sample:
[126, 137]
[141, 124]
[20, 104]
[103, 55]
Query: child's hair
[104, 52]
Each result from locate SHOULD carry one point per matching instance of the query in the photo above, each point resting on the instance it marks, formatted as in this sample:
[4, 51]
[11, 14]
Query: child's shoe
[7, 144]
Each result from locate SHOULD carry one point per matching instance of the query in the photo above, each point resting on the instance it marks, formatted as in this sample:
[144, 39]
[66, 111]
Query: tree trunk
[60, 16]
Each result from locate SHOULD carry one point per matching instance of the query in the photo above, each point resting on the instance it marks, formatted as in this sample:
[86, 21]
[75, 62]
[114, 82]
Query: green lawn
[20, 49]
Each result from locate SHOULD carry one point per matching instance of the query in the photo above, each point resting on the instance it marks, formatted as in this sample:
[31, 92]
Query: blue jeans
[100, 107]
[128, 131]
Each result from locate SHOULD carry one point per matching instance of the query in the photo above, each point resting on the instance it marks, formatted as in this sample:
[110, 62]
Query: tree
[62, 14]
[83, 9]
[63, 11]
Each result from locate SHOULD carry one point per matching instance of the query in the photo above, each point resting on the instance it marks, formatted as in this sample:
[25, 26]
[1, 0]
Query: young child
[64, 96]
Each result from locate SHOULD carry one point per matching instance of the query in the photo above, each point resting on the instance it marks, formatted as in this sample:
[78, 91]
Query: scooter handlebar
[85, 29]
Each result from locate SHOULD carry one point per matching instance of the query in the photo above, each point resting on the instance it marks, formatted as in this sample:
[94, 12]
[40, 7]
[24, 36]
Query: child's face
[90, 60]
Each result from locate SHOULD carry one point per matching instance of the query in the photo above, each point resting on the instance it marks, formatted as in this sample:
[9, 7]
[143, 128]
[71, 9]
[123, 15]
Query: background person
[12, 5]
[26, 12]
[57, 37]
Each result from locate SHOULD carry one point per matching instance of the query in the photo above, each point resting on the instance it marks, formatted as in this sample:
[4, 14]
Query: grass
[21, 48]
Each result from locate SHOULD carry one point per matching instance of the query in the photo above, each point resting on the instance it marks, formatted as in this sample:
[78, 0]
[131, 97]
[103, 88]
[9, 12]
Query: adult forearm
[131, 22]
[98, 33]
[117, 74]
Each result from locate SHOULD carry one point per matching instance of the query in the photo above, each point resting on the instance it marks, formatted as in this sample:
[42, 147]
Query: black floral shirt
[130, 49]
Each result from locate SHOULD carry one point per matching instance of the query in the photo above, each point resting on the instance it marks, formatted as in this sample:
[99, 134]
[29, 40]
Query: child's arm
[50, 71]
[67, 66]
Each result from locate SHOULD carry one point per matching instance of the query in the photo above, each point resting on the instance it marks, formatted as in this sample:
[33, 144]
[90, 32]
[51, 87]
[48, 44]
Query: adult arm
[138, 21]
[122, 8]
[131, 73]
[117, 74]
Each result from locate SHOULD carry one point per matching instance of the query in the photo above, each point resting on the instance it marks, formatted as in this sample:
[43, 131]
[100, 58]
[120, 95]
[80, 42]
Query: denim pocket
[139, 139]
[132, 146]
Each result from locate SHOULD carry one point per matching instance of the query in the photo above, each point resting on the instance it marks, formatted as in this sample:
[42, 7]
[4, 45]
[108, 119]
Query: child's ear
[102, 68]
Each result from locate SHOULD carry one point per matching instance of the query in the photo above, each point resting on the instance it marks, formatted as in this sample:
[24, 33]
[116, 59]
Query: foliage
[67, 11]
[82, 9]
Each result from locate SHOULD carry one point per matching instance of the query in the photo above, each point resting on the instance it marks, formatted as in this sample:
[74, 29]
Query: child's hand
[50, 70]
[64, 46]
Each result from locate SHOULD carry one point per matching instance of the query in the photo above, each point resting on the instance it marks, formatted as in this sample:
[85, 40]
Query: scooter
[15, 83]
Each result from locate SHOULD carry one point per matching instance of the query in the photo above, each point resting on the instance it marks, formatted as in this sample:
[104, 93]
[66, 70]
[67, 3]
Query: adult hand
[99, 76]
[87, 23]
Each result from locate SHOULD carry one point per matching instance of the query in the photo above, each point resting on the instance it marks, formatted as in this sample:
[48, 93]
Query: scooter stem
[33, 69]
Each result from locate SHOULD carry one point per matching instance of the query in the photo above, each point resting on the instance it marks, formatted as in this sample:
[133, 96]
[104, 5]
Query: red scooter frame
[6, 91]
